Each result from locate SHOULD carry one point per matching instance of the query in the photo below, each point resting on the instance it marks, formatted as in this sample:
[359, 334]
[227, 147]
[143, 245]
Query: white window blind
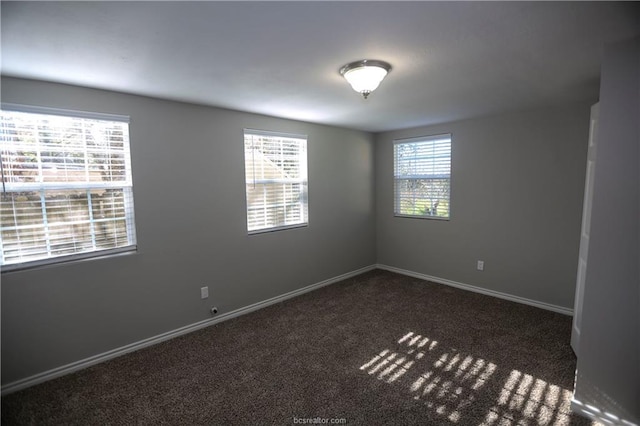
[276, 180]
[422, 174]
[66, 187]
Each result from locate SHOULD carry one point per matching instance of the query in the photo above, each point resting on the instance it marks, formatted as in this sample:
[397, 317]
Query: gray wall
[188, 174]
[517, 198]
[516, 203]
[609, 361]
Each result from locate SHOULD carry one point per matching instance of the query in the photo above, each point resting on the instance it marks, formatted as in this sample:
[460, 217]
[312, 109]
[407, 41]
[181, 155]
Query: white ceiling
[451, 60]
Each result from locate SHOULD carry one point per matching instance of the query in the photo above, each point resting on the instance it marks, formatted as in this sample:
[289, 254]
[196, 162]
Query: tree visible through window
[66, 187]
[422, 175]
[276, 180]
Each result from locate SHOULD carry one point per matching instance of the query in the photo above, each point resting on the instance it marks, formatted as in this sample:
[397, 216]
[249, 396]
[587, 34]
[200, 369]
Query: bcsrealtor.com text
[319, 421]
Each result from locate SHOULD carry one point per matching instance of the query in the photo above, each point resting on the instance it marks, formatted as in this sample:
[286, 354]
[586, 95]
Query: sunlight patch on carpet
[390, 366]
[449, 382]
[525, 399]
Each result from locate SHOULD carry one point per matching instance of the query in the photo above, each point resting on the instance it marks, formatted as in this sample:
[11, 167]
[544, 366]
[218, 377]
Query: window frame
[304, 180]
[415, 140]
[41, 187]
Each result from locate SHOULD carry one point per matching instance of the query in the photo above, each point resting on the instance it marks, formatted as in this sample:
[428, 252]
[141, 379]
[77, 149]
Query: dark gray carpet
[379, 348]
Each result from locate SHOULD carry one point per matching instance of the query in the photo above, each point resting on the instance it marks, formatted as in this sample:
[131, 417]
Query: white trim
[33, 109]
[270, 133]
[426, 138]
[590, 401]
[277, 228]
[498, 294]
[594, 413]
[67, 259]
[417, 216]
[105, 356]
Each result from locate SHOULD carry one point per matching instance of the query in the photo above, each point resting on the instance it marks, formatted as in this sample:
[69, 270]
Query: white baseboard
[518, 299]
[96, 359]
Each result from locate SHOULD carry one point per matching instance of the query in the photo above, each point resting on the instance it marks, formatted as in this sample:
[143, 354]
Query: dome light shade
[365, 75]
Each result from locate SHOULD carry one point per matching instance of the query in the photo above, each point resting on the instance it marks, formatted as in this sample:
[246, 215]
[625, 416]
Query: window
[422, 174]
[66, 186]
[276, 180]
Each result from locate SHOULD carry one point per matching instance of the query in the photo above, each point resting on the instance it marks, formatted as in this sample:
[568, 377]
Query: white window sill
[66, 260]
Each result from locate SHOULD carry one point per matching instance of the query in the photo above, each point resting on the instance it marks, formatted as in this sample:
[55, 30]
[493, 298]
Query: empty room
[347, 213]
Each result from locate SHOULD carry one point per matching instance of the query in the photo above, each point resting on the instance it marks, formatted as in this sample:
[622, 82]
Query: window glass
[276, 180]
[66, 187]
[422, 175]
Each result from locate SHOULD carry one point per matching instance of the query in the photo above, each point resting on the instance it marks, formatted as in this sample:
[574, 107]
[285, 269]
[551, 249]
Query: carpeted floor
[379, 348]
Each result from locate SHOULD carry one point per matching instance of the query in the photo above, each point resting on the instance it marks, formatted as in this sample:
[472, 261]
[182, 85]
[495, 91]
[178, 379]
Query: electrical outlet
[480, 265]
[204, 292]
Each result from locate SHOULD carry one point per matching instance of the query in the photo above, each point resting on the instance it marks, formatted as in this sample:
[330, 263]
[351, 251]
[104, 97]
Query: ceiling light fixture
[365, 75]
